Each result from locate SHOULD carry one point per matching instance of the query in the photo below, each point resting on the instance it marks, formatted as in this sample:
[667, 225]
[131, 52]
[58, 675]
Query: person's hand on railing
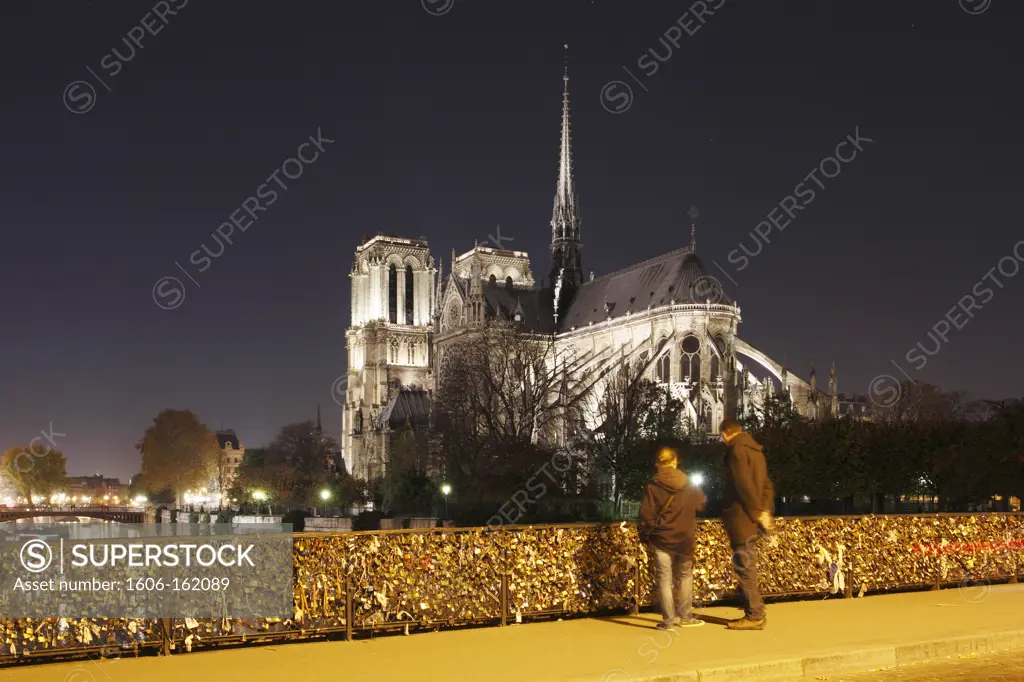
[766, 522]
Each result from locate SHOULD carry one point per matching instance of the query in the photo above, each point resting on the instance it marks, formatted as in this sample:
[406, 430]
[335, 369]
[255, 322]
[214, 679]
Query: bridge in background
[121, 514]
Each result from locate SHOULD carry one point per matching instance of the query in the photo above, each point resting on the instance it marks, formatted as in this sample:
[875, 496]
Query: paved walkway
[1000, 667]
[803, 640]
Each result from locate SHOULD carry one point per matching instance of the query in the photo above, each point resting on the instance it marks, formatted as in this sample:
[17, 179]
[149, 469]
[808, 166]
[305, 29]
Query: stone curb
[819, 665]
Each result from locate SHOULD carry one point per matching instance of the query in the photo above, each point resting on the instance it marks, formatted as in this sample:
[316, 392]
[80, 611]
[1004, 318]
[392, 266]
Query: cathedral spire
[566, 264]
[564, 220]
[833, 391]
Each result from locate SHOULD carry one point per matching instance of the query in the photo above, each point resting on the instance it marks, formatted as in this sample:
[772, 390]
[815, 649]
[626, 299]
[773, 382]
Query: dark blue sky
[447, 126]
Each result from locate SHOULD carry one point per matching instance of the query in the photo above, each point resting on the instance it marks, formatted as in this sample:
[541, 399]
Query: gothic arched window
[716, 371]
[492, 279]
[689, 359]
[393, 294]
[663, 369]
[408, 295]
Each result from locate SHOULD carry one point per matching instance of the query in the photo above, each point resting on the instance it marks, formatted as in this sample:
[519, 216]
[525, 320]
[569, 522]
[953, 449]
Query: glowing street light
[325, 495]
[445, 489]
[697, 479]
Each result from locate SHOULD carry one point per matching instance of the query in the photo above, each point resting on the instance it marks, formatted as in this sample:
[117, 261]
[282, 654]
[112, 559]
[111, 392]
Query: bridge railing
[68, 508]
[348, 583]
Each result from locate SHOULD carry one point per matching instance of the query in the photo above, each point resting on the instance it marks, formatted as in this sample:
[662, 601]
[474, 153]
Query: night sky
[445, 126]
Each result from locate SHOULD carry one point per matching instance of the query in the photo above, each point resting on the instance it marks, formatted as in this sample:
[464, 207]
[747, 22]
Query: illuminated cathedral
[666, 312]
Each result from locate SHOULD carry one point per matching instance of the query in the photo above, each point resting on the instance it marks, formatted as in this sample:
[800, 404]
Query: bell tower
[387, 344]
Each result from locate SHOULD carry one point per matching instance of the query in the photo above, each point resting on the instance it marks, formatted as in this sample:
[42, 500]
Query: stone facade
[232, 454]
[388, 343]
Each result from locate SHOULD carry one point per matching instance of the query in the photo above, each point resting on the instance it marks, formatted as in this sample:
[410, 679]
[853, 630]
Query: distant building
[98, 489]
[857, 407]
[232, 454]
[8, 491]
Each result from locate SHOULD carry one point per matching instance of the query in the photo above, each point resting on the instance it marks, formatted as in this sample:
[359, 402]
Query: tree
[254, 458]
[412, 492]
[502, 396]
[140, 486]
[305, 452]
[926, 403]
[260, 471]
[999, 444]
[178, 453]
[632, 416]
[35, 470]
[407, 467]
[788, 448]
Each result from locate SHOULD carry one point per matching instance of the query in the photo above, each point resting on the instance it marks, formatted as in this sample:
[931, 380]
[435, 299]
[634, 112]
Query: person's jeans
[744, 563]
[675, 585]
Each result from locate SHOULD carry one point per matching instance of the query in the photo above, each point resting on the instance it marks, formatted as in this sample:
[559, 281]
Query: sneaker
[746, 624]
[691, 623]
[666, 626]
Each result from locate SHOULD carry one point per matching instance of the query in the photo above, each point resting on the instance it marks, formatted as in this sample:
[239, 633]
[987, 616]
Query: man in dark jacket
[668, 519]
[747, 509]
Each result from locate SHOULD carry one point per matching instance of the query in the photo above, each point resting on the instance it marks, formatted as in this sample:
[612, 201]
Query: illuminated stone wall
[436, 578]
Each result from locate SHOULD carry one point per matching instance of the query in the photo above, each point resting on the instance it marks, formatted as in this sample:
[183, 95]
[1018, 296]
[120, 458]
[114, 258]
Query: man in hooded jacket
[668, 520]
[748, 499]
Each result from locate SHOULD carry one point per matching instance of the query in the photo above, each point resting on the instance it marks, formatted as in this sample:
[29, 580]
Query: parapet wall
[353, 582]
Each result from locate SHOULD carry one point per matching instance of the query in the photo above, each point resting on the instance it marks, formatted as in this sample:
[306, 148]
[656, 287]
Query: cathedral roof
[677, 276]
[537, 306]
[226, 437]
[407, 406]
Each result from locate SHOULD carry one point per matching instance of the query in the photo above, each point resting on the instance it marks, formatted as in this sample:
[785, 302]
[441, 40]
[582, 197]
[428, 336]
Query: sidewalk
[803, 640]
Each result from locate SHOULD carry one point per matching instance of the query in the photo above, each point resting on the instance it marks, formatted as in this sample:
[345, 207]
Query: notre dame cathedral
[667, 310]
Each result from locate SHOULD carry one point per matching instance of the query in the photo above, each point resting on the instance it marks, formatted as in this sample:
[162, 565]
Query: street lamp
[697, 479]
[325, 495]
[259, 496]
[445, 489]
